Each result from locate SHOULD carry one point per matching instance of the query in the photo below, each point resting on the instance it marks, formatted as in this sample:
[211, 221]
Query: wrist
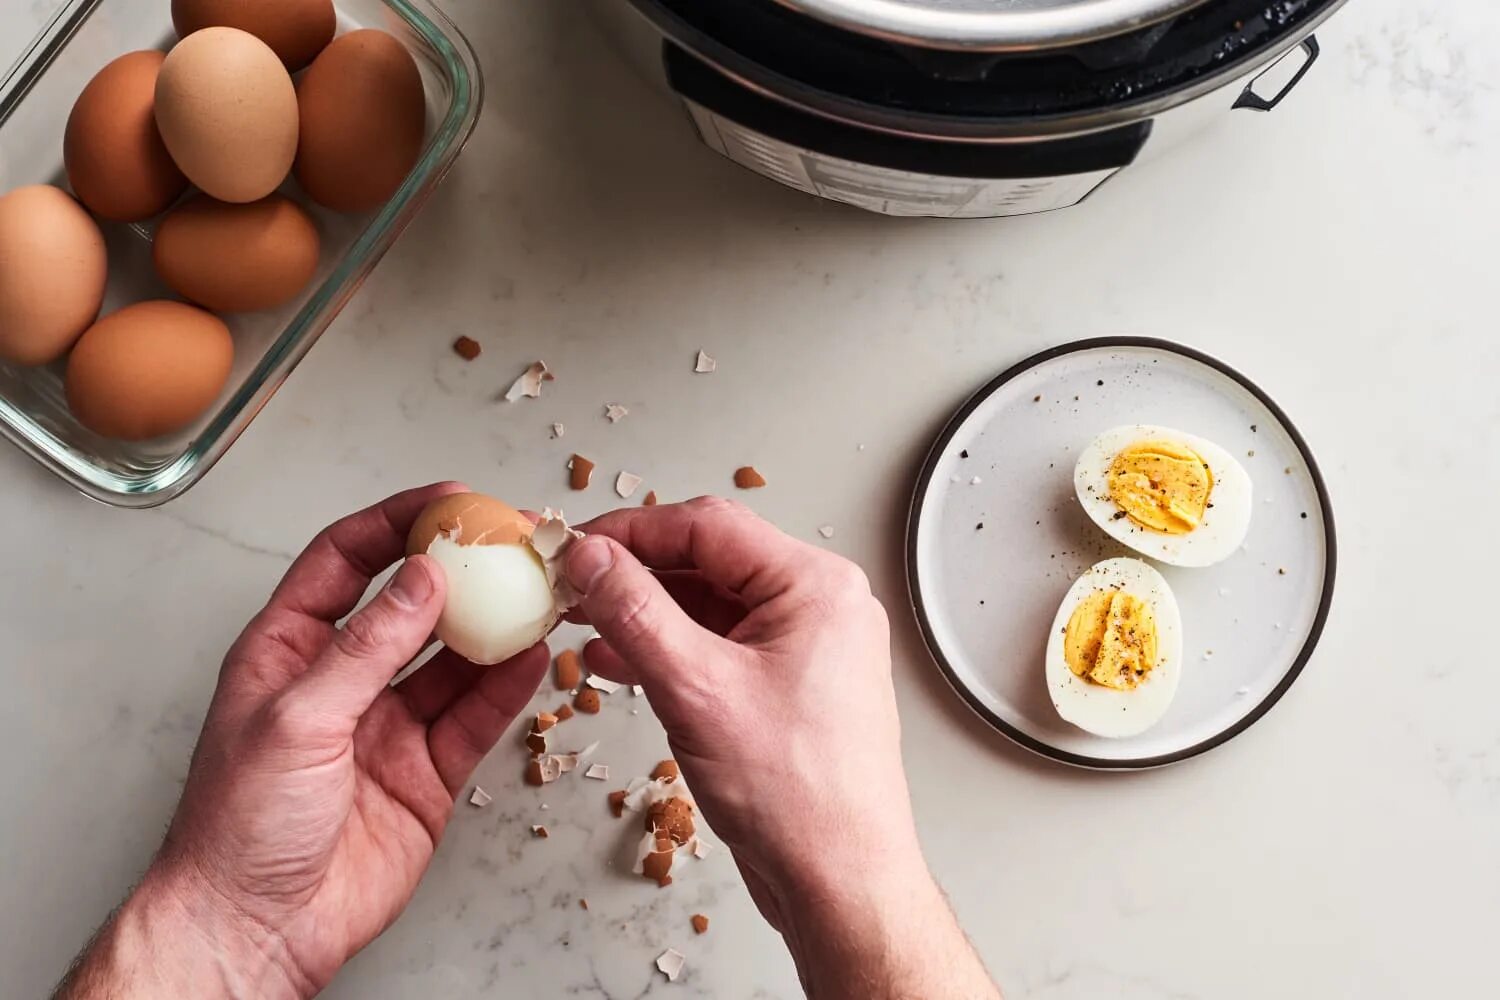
[858, 901]
[858, 938]
[186, 939]
[878, 895]
[869, 860]
[249, 958]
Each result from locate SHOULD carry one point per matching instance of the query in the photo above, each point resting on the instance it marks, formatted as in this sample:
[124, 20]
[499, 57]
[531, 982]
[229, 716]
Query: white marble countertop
[1338, 250]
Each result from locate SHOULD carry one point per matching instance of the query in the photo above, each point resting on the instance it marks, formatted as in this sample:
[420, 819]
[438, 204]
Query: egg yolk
[1161, 485]
[1110, 639]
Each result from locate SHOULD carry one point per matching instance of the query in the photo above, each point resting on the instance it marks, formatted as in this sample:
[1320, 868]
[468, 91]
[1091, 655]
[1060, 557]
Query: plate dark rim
[914, 585]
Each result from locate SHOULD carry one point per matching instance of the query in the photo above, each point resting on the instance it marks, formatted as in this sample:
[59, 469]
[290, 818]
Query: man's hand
[768, 662]
[318, 791]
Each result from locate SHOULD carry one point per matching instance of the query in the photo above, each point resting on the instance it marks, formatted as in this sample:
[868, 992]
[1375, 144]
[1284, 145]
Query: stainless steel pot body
[892, 163]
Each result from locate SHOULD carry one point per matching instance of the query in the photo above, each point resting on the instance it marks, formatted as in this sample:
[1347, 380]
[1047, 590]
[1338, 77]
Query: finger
[375, 643]
[330, 576]
[437, 684]
[470, 727]
[600, 657]
[631, 610]
[721, 539]
[708, 604]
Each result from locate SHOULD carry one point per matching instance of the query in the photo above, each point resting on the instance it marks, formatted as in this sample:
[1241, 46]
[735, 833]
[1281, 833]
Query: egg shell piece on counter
[643, 793]
[116, 161]
[1224, 524]
[149, 369]
[296, 30]
[364, 121]
[671, 963]
[237, 258]
[503, 592]
[227, 111]
[53, 268]
[1105, 711]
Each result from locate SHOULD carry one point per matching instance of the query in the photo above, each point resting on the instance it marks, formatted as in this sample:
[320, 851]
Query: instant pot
[963, 108]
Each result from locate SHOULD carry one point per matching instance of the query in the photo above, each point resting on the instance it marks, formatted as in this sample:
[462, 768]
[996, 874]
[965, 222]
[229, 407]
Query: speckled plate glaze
[996, 537]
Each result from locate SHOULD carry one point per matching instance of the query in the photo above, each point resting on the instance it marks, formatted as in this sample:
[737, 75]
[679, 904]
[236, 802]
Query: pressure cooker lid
[992, 25]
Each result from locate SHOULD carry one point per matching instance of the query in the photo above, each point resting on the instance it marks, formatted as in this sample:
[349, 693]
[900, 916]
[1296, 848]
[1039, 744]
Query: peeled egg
[52, 274]
[116, 161]
[1165, 493]
[147, 370]
[505, 592]
[227, 111]
[364, 121]
[1114, 656]
[237, 258]
[296, 30]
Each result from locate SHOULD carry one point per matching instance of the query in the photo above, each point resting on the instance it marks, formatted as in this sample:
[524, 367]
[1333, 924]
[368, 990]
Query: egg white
[1224, 524]
[500, 601]
[1104, 711]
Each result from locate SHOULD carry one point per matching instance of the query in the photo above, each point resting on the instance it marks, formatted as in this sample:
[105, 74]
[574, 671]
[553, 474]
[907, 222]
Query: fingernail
[589, 560]
[412, 585]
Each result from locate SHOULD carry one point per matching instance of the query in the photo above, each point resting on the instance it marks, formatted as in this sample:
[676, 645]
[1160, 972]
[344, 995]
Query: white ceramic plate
[986, 596]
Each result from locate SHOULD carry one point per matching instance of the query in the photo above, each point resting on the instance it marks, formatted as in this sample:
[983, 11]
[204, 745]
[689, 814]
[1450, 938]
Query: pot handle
[1250, 99]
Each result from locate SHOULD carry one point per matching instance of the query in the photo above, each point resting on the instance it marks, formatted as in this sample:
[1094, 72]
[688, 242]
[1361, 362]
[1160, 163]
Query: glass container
[76, 40]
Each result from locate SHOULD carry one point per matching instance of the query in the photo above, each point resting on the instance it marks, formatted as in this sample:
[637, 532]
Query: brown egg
[52, 273]
[116, 162]
[237, 258]
[149, 369]
[296, 30]
[468, 519]
[227, 111]
[364, 121]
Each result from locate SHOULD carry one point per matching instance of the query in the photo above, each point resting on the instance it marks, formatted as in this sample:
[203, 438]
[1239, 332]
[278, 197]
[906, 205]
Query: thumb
[648, 631]
[375, 643]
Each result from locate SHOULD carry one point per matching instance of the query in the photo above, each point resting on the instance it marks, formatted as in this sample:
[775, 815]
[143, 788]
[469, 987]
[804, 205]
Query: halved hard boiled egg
[505, 586]
[1114, 656]
[1167, 494]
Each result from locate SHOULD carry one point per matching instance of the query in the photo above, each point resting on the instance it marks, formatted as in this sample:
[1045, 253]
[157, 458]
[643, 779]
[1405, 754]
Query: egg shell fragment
[468, 519]
[1224, 525]
[671, 963]
[227, 111]
[53, 269]
[296, 30]
[237, 258]
[149, 369]
[116, 161]
[1105, 711]
[364, 121]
